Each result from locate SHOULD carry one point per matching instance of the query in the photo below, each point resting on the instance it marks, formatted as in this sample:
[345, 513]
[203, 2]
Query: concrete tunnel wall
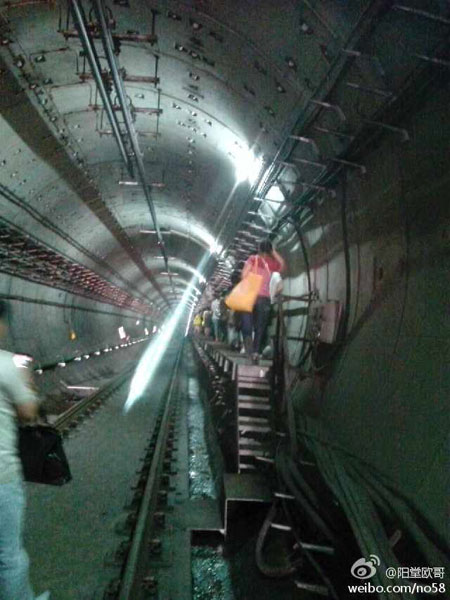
[391, 381]
[387, 399]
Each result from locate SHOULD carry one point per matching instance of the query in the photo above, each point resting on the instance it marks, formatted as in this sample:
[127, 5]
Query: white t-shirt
[216, 309]
[14, 389]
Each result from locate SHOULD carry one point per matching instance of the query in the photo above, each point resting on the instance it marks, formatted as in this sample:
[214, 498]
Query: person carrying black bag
[17, 401]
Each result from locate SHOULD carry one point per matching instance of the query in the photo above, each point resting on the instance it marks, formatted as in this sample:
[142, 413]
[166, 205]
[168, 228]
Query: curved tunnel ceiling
[285, 92]
[322, 124]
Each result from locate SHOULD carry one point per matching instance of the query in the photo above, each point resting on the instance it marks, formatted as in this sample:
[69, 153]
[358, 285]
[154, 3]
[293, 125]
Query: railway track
[146, 512]
[72, 417]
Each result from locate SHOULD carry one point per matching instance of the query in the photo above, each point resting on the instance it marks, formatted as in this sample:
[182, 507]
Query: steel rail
[94, 63]
[108, 46]
[73, 415]
[134, 570]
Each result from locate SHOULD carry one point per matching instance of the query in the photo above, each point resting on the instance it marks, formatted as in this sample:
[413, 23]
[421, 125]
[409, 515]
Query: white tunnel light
[275, 194]
[158, 346]
[122, 333]
[215, 247]
[247, 165]
[188, 324]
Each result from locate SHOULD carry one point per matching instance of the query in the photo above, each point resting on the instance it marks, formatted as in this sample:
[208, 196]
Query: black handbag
[42, 455]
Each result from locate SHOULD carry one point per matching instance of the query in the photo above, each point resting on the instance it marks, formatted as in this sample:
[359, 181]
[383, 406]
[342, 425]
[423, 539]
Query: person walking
[216, 309]
[266, 262]
[17, 401]
[197, 323]
[207, 322]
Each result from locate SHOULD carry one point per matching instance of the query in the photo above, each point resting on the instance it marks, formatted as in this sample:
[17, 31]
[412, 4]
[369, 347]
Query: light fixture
[215, 247]
[195, 25]
[173, 16]
[291, 63]
[275, 194]
[151, 358]
[247, 165]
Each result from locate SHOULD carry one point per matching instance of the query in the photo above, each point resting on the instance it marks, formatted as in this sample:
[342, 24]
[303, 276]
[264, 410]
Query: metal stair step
[247, 467]
[253, 397]
[253, 406]
[243, 419]
[255, 452]
[257, 428]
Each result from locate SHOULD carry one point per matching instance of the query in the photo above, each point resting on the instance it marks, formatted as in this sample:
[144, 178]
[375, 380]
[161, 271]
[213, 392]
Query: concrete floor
[70, 530]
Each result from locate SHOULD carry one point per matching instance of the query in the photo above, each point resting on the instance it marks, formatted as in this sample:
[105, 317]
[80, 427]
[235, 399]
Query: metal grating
[25, 257]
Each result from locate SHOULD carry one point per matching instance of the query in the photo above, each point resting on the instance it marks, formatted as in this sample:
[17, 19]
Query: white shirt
[216, 309]
[14, 390]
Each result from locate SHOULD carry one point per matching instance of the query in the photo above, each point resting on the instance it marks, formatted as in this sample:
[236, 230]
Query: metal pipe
[94, 63]
[334, 132]
[306, 140]
[337, 109]
[369, 90]
[403, 132]
[422, 13]
[437, 61]
[349, 163]
[109, 51]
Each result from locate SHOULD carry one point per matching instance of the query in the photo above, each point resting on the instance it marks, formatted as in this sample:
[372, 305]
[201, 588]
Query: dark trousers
[257, 321]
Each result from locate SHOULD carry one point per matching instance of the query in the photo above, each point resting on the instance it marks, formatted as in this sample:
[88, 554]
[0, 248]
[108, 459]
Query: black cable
[263, 566]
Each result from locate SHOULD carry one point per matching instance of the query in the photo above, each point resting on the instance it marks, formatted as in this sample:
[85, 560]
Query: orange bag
[243, 296]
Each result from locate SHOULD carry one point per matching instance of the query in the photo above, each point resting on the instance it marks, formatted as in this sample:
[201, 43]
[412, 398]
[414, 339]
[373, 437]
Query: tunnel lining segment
[35, 133]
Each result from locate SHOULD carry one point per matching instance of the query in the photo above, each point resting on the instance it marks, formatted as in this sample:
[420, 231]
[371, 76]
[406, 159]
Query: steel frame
[23, 256]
